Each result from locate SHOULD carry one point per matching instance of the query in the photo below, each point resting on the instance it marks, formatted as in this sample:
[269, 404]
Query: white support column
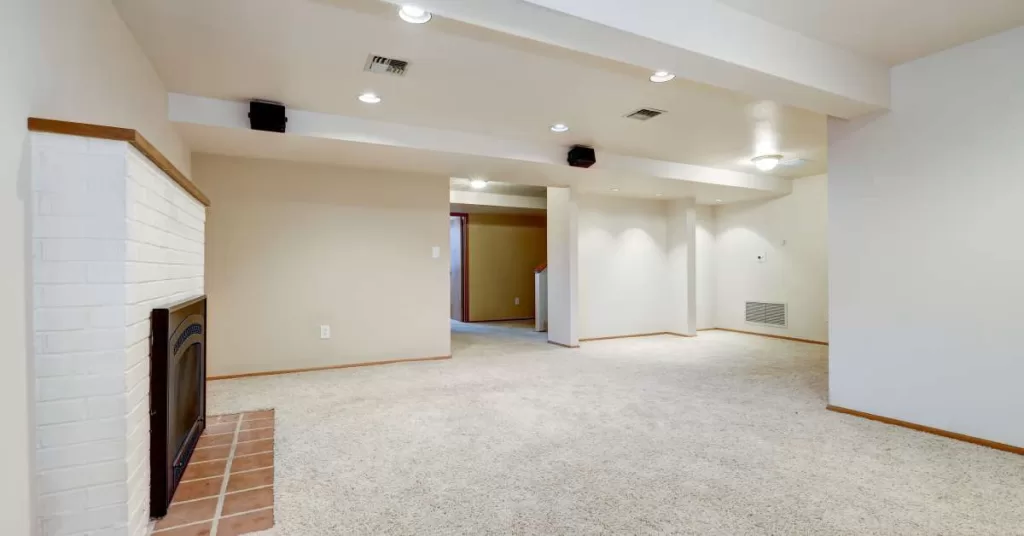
[563, 249]
[682, 256]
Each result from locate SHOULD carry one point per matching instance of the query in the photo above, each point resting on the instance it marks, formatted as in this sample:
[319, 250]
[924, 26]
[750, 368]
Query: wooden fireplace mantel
[87, 130]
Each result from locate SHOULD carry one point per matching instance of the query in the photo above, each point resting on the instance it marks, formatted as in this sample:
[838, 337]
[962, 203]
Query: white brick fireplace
[113, 237]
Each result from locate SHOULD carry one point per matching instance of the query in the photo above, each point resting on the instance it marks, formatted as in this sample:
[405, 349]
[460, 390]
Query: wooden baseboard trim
[929, 430]
[331, 367]
[770, 336]
[637, 335]
[87, 130]
[613, 337]
[562, 345]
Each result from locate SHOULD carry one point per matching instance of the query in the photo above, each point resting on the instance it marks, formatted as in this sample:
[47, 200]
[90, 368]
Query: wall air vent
[644, 114]
[382, 65]
[768, 314]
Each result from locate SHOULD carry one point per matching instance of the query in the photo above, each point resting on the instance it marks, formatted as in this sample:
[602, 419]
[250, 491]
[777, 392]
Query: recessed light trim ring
[661, 76]
[369, 98]
[414, 14]
[767, 162]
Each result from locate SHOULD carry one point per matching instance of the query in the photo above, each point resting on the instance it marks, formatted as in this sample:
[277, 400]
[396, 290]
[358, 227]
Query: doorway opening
[494, 295]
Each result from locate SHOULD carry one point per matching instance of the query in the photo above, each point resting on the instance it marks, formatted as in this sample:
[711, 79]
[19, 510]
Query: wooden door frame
[464, 233]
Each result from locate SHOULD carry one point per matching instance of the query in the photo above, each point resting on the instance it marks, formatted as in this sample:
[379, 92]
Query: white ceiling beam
[234, 114]
[461, 197]
[700, 40]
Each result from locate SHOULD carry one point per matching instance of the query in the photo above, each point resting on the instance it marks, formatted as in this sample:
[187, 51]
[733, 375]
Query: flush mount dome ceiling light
[369, 98]
[478, 184]
[661, 76]
[559, 127]
[413, 14]
[767, 162]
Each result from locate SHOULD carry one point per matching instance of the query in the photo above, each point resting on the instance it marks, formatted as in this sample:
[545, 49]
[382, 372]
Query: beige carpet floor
[723, 434]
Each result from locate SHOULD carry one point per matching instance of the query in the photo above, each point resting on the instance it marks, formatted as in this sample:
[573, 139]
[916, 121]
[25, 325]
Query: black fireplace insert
[177, 407]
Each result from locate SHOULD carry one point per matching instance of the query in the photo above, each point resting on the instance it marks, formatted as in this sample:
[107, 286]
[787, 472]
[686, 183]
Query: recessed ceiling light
[478, 184]
[559, 127]
[657, 195]
[369, 98]
[615, 189]
[767, 162]
[413, 14]
[718, 200]
[661, 76]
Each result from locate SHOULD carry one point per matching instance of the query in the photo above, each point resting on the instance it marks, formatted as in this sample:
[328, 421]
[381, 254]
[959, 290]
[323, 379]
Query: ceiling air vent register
[644, 114]
[383, 65]
[768, 314]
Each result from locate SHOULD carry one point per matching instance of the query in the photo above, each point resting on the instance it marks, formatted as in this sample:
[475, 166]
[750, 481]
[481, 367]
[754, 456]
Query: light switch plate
[325, 332]
[435, 251]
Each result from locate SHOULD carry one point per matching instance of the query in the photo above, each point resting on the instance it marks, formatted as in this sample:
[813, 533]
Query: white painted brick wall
[113, 237]
[165, 252]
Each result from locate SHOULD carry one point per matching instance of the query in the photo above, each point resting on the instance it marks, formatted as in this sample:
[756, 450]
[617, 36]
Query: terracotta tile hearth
[228, 487]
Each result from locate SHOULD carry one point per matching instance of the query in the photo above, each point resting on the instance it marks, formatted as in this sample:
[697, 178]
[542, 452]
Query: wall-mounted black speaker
[267, 116]
[582, 156]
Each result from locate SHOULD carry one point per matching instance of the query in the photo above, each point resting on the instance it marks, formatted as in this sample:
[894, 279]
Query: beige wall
[504, 249]
[93, 71]
[19, 29]
[292, 246]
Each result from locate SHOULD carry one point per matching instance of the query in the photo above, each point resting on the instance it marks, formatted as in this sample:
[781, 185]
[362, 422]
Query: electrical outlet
[325, 332]
[517, 301]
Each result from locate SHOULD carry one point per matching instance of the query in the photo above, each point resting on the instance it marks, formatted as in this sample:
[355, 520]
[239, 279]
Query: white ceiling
[310, 55]
[893, 31]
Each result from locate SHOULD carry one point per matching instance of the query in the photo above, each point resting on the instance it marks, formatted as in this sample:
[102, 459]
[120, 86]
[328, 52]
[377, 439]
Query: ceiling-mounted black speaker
[582, 156]
[267, 116]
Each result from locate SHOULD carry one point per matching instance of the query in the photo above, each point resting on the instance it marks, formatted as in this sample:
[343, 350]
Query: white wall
[563, 267]
[638, 266]
[633, 266]
[706, 267]
[113, 237]
[623, 266]
[925, 226]
[294, 246]
[791, 232]
[19, 27]
[93, 71]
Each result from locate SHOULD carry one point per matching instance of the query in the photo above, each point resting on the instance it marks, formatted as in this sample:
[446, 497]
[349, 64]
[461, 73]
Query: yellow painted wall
[504, 249]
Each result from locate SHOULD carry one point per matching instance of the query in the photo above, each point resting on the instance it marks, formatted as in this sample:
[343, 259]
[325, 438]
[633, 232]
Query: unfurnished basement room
[537, 267]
